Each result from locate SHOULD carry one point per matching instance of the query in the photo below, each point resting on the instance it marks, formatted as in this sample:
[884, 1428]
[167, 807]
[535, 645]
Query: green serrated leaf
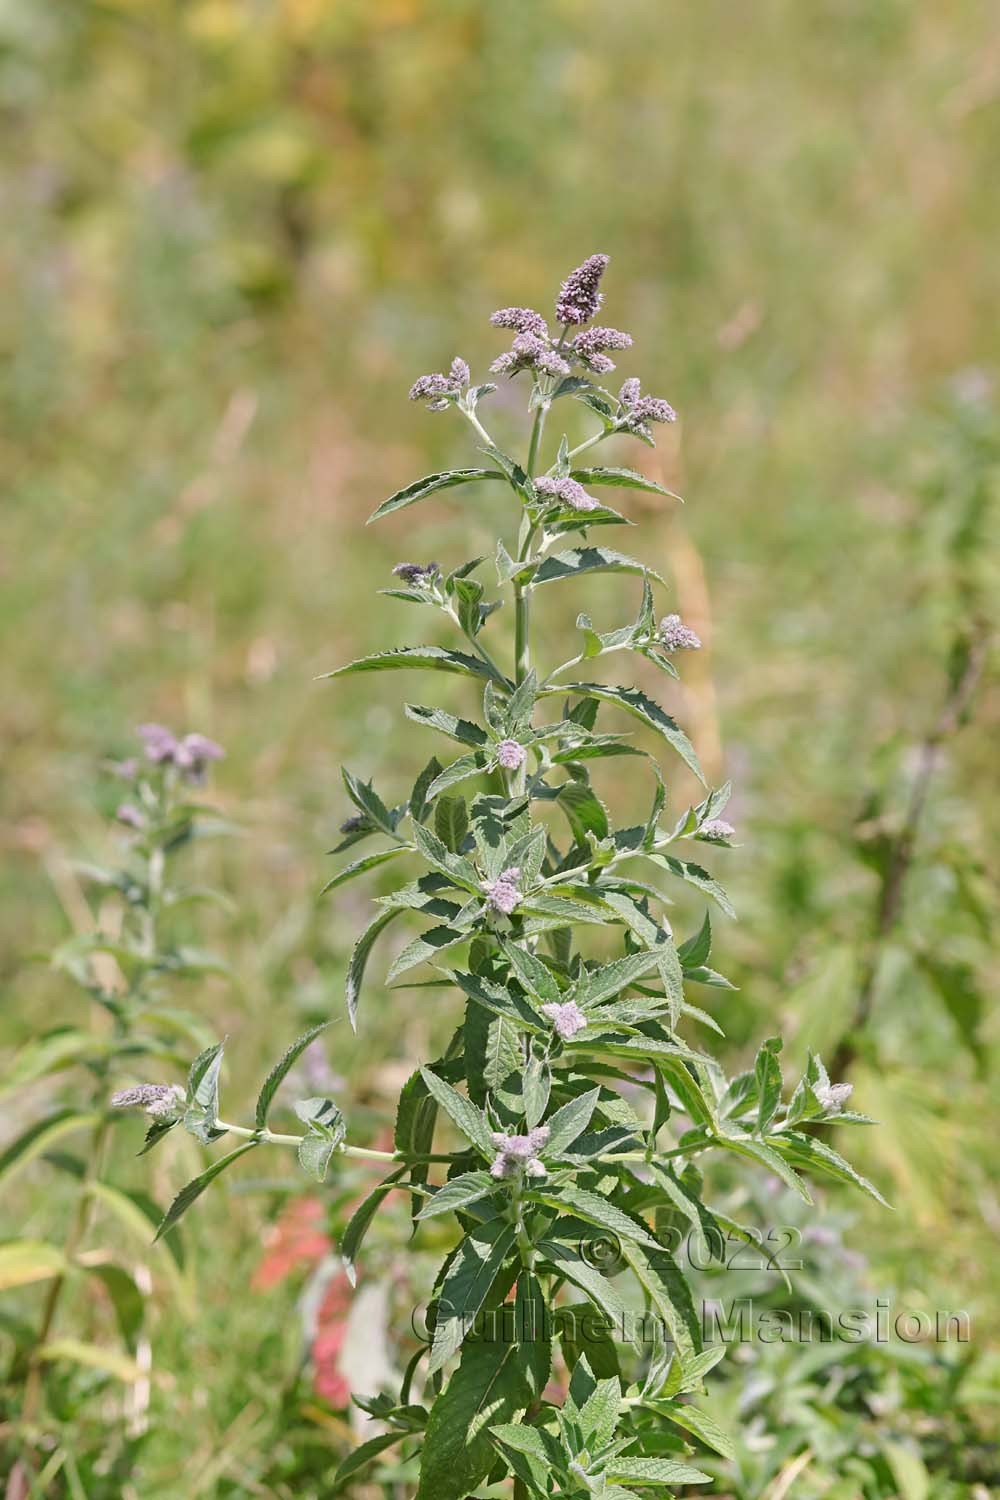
[428, 486]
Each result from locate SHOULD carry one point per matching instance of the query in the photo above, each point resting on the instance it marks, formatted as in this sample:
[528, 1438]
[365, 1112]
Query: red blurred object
[296, 1239]
[331, 1330]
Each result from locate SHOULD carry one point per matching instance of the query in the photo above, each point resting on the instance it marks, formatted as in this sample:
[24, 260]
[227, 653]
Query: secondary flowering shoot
[636, 411]
[518, 1154]
[438, 390]
[833, 1096]
[567, 1019]
[591, 346]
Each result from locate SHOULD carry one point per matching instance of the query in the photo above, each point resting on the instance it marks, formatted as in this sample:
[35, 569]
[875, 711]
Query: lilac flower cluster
[570, 491]
[716, 830]
[531, 351]
[190, 755]
[161, 1101]
[416, 573]
[519, 1153]
[567, 1019]
[503, 894]
[511, 755]
[438, 390]
[636, 411]
[591, 346]
[674, 635]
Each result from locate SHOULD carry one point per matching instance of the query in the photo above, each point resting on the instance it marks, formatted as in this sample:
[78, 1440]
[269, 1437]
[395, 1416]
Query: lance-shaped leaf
[563, 1249]
[427, 486]
[362, 866]
[623, 479]
[431, 658]
[807, 1152]
[585, 812]
[470, 1277]
[656, 1471]
[467, 1188]
[280, 1070]
[609, 980]
[203, 1095]
[569, 1122]
[197, 1186]
[360, 1221]
[430, 943]
[576, 561]
[470, 1121]
[368, 802]
[594, 1209]
[636, 703]
[695, 875]
[497, 1378]
[359, 960]
[463, 730]
[661, 1278]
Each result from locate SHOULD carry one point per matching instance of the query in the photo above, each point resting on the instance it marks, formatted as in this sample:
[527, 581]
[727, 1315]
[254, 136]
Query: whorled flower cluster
[570, 491]
[438, 390]
[511, 755]
[517, 1154]
[567, 1018]
[716, 831]
[674, 635]
[161, 1101]
[416, 573]
[833, 1096]
[503, 894]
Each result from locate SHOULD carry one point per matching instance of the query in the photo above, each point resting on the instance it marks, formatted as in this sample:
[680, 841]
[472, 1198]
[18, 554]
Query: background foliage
[239, 231]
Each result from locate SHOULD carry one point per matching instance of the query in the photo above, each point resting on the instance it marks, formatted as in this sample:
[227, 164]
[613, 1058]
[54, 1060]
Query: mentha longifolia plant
[541, 1152]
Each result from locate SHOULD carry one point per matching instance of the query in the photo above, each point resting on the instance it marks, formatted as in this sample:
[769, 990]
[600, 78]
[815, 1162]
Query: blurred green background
[236, 231]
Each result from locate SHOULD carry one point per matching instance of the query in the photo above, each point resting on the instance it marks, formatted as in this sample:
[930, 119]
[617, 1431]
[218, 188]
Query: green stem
[590, 442]
[470, 416]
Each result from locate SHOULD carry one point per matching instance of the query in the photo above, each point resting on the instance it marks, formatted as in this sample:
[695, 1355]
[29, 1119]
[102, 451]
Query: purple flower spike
[579, 297]
[511, 755]
[521, 320]
[567, 1019]
[570, 491]
[130, 816]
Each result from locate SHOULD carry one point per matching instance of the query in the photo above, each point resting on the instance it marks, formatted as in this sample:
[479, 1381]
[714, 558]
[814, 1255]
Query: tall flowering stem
[576, 1106]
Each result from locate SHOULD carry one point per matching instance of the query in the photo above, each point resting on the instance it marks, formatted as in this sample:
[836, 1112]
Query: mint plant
[122, 966]
[573, 1106]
